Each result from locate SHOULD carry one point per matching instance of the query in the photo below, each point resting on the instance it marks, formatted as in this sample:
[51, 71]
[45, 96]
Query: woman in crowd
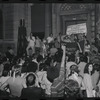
[96, 77]
[88, 81]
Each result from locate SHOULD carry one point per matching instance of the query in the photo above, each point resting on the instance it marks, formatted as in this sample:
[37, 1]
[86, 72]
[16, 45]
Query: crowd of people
[49, 70]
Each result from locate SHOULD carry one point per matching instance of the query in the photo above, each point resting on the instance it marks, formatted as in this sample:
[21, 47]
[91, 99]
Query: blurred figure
[15, 82]
[9, 53]
[50, 40]
[72, 88]
[82, 64]
[37, 45]
[31, 43]
[87, 80]
[31, 92]
[87, 47]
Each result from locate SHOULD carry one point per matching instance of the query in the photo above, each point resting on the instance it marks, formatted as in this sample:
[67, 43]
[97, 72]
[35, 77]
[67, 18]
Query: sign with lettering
[76, 29]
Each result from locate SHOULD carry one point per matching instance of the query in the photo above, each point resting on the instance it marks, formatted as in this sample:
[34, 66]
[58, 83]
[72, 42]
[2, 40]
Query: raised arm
[64, 55]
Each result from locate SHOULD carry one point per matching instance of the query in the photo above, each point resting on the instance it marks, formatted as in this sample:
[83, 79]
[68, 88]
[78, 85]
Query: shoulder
[86, 76]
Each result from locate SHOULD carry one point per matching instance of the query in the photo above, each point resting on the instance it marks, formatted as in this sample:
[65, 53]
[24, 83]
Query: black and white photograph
[49, 50]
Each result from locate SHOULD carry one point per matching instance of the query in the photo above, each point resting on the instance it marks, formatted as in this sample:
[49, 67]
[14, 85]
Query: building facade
[56, 19]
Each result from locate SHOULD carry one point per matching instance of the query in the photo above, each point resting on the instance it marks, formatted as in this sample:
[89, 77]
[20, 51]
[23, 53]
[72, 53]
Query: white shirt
[50, 39]
[87, 48]
[68, 65]
[75, 77]
[3, 80]
[81, 66]
[45, 83]
[88, 85]
[31, 41]
[38, 43]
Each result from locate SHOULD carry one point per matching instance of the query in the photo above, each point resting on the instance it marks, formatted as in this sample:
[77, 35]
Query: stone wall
[12, 13]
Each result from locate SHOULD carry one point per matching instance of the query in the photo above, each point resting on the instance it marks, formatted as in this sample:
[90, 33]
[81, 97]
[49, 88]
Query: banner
[76, 29]
[71, 46]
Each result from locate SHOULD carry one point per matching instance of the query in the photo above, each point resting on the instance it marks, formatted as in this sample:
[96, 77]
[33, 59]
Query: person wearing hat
[15, 82]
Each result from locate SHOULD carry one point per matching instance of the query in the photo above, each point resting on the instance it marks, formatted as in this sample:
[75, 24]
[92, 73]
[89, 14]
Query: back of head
[74, 68]
[8, 48]
[83, 58]
[71, 58]
[39, 58]
[72, 88]
[96, 67]
[58, 55]
[5, 73]
[30, 79]
[7, 67]
[32, 67]
[4, 59]
[17, 70]
[43, 67]
[34, 56]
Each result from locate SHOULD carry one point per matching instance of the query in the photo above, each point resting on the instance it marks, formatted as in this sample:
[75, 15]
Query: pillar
[48, 20]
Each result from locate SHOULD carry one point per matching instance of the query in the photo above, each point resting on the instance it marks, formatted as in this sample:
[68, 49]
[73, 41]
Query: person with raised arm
[31, 43]
[58, 84]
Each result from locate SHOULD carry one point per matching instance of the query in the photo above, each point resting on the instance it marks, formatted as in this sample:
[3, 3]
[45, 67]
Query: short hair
[9, 48]
[73, 68]
[39, 58]
[71, 57]
[43, 67]
[86, 68]
[83, 58]
[4, 59]
[34, 56]
[17, 69]
[50, 34]
[58, 55]
[5, 73]
[96, 67]
[7, 67]
[72, 88]
[32, 67]
[30, 79]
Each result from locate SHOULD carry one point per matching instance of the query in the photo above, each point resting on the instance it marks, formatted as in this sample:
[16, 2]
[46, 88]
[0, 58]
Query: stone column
[21, 11]
[58, 21]
[98, 18]
[48, 20]
[29, 18]
[54, 20]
